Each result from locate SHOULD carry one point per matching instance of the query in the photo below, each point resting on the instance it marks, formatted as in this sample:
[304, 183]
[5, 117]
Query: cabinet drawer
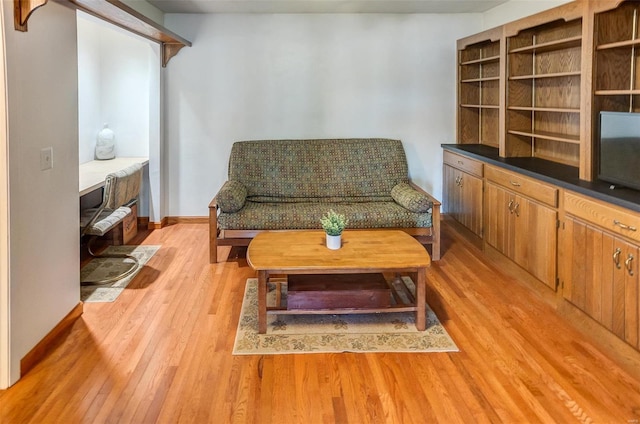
[523, 185]
[463, 163]
[613, 218]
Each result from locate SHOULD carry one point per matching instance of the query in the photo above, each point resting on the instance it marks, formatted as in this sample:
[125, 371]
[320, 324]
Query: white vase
[334, 242]
[105, 145]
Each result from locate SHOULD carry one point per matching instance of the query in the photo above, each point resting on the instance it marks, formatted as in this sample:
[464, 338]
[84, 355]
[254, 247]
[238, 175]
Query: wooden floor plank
[163, 353]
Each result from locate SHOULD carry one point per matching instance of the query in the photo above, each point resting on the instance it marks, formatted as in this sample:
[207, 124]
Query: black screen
[620, 148]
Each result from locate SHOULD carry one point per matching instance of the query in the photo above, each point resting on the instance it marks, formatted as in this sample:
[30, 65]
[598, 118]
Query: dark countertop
[554, 173]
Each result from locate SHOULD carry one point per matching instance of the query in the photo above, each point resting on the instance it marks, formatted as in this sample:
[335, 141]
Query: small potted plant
[333, 224]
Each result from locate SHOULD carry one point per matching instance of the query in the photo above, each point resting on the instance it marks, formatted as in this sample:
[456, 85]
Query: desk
[93, 173]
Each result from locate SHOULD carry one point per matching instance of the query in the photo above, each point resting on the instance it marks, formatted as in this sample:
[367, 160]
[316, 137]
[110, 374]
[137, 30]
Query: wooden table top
[362, 251]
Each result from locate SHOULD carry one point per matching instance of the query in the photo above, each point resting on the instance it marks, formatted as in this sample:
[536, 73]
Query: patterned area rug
[101, 268]
[387, 332]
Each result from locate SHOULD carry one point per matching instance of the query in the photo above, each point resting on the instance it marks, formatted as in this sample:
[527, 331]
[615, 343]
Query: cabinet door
[471, 202]
[500, 219]
[599, 273]
[451, 191]
[536, 239]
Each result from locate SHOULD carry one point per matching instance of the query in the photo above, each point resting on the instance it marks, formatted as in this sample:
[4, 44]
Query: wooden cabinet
[479, 98]
[463, 184]
[520, 227]
[599, 266]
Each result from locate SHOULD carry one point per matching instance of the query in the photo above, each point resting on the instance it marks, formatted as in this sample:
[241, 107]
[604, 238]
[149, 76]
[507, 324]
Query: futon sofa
[291, 184]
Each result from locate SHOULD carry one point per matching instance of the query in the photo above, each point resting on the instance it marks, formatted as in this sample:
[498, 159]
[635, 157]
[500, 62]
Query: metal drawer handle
[628, 265]
[616, 257]
[510, 206]
[516, 209]
[460, 162]
[624, 226]
[458, 179]
[515, 183]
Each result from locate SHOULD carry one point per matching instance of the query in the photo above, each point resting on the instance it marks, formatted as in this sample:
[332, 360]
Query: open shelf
[481, 106]
[544, 109]
[481, 60]
[480, 79]
[540, 76]
[117, 13]
[550, 45]
[479, 74]
[563, 138]
[544, 73]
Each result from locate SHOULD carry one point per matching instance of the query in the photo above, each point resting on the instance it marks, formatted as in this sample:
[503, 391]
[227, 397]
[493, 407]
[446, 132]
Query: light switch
[46, 158]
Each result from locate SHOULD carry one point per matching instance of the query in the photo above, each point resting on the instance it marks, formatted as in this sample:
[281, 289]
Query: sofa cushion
[291, 216]
[231, 196]
[410, 198]
[277, 170]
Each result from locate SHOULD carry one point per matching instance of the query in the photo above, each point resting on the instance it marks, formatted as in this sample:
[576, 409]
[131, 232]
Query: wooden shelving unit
[616, 64]
[115, 12]
[544, 74]
[479, 99]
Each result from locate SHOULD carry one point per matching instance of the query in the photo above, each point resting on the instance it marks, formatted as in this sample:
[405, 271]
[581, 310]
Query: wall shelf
[563, 138]
[563, 43]
[115, 12]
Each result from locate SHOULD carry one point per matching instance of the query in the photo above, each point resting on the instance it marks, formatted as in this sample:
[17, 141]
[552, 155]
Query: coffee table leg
[421, 288]
[262, 302]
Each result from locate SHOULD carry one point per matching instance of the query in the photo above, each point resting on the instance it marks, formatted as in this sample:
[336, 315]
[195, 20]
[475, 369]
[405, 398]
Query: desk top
[304, 252]
[93, 173]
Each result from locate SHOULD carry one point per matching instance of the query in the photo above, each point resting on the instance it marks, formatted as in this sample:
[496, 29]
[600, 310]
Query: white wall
[119, 84]
[114, 86]
[43, 215]
[307, 76]
[516, 9]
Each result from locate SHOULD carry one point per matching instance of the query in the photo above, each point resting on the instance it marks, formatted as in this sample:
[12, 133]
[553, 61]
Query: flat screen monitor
[620, 149]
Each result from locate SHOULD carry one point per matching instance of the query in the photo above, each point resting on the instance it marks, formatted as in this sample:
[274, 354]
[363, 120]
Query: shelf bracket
[168, 51]
[22, 10]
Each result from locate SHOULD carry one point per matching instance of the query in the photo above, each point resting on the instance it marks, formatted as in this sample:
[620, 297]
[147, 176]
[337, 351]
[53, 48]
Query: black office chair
[120, 192]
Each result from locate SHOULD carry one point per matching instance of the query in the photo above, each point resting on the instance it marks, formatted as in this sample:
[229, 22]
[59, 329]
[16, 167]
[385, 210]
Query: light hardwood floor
[162, 353]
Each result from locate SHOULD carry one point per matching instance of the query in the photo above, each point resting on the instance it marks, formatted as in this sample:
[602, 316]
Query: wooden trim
[172, 220]
[50, 341]
[22, 10]
[143, 222]
[493, 34]
[567, 12]
[158, 225]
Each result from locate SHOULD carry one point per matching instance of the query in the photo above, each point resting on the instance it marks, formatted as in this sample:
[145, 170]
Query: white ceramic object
[106, 145]
[334, 242]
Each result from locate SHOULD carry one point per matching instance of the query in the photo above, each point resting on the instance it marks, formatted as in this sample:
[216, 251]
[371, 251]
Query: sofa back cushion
[317, 170]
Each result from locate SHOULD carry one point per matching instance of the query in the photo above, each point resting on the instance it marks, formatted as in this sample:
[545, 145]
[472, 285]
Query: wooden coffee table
[362, 252]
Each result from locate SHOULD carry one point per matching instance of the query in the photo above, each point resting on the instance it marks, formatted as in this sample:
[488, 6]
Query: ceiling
[325, 6]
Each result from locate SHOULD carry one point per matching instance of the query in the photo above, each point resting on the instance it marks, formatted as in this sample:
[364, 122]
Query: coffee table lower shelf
[310, 294]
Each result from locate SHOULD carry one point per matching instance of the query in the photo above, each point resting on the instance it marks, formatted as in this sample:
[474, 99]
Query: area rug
[101, 268]
[386, 332]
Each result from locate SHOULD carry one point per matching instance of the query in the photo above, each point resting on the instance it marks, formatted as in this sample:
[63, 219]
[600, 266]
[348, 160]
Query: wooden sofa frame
[219, 237]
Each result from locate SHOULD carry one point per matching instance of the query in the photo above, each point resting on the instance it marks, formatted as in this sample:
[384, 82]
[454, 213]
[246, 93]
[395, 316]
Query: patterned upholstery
[292, 216]
[120, 188]
[277, 170]
[290, 184]
[407, 196]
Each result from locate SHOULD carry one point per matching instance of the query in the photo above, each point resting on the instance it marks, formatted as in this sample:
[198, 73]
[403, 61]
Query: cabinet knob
[616, 257]
[628, 265]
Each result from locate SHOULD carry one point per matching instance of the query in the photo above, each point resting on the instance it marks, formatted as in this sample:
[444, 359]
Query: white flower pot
[334, 242]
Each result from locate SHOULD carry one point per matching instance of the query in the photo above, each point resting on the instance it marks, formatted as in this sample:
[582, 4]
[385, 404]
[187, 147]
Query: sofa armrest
[435, 222]
[414, 200]
[231, 196]
[423, 191]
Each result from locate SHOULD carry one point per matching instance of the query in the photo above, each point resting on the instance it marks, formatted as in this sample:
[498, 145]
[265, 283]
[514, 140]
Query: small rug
[385, 332]
[101, 268]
